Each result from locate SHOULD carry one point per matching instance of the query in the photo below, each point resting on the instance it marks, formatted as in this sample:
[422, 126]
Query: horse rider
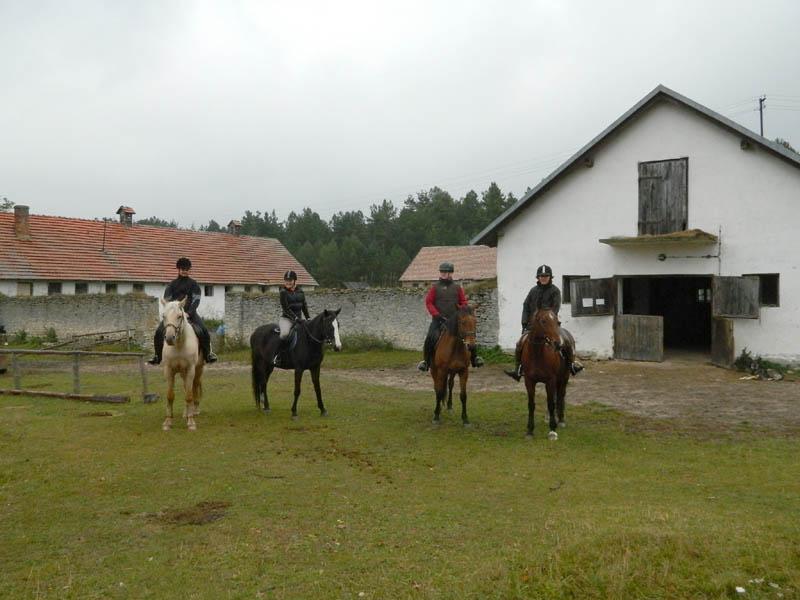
[293, 308]
[179, 288]
[443, 301]
[545, 294]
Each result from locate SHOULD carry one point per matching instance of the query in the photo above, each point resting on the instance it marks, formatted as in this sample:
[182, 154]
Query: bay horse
[182, 356]
[542, 362]
[305, 353]
[451, 357]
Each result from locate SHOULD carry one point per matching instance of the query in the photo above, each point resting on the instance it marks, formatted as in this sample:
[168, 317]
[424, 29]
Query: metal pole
[76, 374]
[761, 112]
[15, 370]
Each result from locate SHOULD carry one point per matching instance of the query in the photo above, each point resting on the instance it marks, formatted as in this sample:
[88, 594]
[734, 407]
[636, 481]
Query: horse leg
[551, 388]
[450, 382]
[170, 377]
[318, 391]
[197, 388]
[561, 402]
[530, 386]
[263, 389]
[188, 381]
[462, 380]
[298, 377]
[440, 388]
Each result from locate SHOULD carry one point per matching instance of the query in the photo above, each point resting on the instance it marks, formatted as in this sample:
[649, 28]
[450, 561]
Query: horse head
[173, 318]
[330, 328]
[544, 326]
[466, 324]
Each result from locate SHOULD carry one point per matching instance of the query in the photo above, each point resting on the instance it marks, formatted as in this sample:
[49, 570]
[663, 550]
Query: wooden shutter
[663, 196]
[639, 337]
[735, 297]
[592, 297]
[722, 342]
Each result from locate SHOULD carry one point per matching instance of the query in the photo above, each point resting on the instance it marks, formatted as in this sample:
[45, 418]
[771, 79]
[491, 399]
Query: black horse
[305, 353]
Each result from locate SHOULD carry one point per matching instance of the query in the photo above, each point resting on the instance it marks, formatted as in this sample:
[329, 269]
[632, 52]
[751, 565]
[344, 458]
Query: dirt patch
[685, 390]
[199, 514]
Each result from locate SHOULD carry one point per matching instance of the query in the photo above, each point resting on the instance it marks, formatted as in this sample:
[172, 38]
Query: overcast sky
[201, 110]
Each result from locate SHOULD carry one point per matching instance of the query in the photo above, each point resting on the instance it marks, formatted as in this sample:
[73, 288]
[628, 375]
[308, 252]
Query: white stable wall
[752, 195]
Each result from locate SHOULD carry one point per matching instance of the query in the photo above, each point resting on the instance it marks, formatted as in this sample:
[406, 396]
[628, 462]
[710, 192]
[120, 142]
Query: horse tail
[255, 373]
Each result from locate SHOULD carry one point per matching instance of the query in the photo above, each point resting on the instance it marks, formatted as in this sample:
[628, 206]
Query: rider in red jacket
[443, 301]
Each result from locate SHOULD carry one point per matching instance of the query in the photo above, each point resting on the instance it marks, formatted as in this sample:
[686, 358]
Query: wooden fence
[76, 394]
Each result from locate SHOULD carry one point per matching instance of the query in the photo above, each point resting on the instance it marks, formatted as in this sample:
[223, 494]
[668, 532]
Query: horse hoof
[267, 411]
[562, 424]
[529, 435]
[166, 427]
[294, 417]
[449, 409]
[552, 436]
[436, 422]
[467, 424]
[192, 428]
[323, 413]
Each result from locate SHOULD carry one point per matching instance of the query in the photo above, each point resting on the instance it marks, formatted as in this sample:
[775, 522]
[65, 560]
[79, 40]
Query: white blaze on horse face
[337, 343]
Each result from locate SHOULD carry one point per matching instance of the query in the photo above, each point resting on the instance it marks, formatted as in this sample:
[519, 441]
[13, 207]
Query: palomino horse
[542, 362]
[306, 353]
[451, 357]
[181, 356]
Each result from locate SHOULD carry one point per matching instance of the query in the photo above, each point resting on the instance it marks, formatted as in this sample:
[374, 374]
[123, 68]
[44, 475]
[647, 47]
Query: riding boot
[205, 346]
[475, 360]
[158, 345]
[427, 354]
[573, 365]
[516, 374]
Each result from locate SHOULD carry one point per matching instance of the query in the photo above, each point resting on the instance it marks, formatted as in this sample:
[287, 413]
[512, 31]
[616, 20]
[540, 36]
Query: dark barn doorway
[684, 302]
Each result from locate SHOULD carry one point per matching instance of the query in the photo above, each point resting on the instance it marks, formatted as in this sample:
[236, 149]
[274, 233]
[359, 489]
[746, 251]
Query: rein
[178, 328]
[325, 339]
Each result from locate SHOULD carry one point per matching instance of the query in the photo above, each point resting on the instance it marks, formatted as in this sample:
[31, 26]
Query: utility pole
[761, 100]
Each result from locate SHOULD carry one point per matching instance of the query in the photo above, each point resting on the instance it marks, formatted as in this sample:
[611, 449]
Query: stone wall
[73, 315]
[394, 314]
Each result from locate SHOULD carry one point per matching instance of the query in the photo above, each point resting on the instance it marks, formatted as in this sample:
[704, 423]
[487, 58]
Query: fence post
[15, 371]
[76, 373]
[143, 371]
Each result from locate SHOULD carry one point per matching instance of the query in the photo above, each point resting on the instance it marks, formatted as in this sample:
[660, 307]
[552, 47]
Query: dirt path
[697, 395]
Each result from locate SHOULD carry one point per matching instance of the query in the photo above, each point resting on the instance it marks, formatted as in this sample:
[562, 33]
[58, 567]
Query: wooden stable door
[639, 337]
[731, 298]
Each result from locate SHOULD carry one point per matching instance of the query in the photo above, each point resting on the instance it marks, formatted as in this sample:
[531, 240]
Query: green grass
[376, 500]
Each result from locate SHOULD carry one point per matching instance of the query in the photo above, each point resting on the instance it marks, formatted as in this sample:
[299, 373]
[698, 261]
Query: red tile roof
[66, 249]
[471, 262]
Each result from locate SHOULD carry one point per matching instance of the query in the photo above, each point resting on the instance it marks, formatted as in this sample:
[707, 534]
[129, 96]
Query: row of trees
[378, 246]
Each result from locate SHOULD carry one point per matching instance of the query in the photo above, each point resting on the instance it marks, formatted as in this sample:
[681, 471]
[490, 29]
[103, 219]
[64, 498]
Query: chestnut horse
[542, 362]
[181, 356]
[451, 357]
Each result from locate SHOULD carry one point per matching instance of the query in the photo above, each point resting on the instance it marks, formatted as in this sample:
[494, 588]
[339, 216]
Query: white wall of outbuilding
[751, 196]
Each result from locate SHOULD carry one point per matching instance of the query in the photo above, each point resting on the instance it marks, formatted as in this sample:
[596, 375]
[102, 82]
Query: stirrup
[515, 374]
[211, 358]
[575, 368]
[478, 363]
[154, 361]
[422, 366]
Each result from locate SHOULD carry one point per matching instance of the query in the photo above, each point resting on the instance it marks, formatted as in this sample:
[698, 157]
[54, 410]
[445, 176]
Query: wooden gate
[732, 298]
[639, 337]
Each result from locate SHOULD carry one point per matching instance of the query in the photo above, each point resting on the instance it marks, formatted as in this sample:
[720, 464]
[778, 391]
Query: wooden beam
[67, 396]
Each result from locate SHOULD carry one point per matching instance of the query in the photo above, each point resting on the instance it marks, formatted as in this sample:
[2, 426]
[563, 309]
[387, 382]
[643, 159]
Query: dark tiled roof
[68, 249]
[471, 262]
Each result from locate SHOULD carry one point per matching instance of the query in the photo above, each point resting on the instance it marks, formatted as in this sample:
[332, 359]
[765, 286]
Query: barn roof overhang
[695, 237]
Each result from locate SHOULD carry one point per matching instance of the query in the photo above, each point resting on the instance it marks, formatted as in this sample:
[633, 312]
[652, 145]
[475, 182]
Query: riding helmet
[544, 270]
[290, 276]
[184, 263]
[446, 267]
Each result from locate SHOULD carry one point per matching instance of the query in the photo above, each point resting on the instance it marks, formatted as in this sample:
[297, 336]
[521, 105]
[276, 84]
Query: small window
[566, 296]
[768, 288]
[208, 290]
[111, 288]
[228, 288]
[53, 288]
[24, 288]
[263, 289]
[81, 287]
[248, 289]
[138, 288]
[663, 196]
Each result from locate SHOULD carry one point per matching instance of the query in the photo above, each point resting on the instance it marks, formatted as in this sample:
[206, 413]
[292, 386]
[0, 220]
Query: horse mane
[452, 324]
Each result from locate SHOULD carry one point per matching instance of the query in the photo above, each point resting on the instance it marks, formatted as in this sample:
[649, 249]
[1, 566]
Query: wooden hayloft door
[731, 298]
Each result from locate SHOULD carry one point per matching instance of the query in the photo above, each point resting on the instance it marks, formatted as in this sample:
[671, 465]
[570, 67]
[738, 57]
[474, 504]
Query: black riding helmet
[544, 270]
[290, 276]
[446, 267]
[183, 263]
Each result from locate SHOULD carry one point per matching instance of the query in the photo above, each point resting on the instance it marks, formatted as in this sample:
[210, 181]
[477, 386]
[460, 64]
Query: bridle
[179, 327]
[326, 339]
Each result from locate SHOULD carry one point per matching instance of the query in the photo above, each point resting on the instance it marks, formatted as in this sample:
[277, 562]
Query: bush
[757, 365]
[50, 335]
[362, 342]
[494, 355]
[20, 337]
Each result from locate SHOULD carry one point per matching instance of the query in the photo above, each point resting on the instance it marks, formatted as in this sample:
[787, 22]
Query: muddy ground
[687, 392]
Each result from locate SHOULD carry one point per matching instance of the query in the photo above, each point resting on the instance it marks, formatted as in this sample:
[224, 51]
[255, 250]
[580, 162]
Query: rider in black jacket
[181, 287]
[545, 294]
[293, 308]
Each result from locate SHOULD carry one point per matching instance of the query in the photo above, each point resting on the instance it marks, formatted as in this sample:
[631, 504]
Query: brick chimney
[126, 215]
[22, 226]
[234, 227]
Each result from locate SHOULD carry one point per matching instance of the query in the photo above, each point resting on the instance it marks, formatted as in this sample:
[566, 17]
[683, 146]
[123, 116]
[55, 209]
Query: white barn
[674, 228]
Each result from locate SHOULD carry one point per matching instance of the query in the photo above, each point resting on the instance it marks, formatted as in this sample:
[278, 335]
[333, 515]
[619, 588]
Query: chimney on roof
[22, 226]
[234, 227]
[126, 215]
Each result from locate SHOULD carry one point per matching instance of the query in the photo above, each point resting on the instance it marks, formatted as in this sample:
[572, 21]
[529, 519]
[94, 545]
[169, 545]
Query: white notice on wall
[587, 302]
[601, 301]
